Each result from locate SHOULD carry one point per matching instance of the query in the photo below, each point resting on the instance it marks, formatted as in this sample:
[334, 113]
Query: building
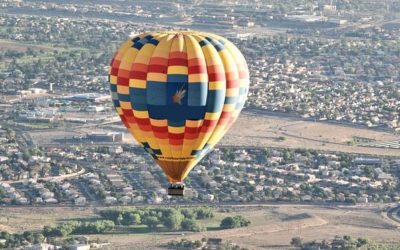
[42, 246]
[116, 150]
[79, 247]
[105, 136]
[88, 97]
[95, 109]
[209, 197]
[109, 200]
[32, 91]
[80, 201]
[367, 161]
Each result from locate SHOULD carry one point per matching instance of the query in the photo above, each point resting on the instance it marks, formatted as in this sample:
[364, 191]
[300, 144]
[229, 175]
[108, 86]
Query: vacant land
[272, 226]
[12, 45]
[254, 130]
[16, 219]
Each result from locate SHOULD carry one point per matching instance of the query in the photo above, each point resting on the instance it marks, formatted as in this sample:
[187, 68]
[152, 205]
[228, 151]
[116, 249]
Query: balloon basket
[176, 189]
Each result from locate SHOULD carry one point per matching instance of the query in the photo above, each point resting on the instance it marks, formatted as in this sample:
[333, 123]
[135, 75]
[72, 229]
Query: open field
[253, 130]
[45, 48]
[16, 219]
[272, 226]
[13, 45]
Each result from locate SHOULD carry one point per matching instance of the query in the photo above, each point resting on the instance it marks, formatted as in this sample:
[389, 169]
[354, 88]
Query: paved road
[50, 178]
[394, 214]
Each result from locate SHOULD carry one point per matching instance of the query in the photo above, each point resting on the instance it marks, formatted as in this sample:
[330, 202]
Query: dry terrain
[12, 45]
[252, 129]
[272, 226]
[260, 130]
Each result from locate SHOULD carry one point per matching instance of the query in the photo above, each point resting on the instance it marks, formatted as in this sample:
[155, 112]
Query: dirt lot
[258, 130]
[272, 226]
[252, 130]
[12, 45]
[16, 219]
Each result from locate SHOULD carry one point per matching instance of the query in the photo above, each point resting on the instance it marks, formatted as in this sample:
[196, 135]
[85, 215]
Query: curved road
[394, 214]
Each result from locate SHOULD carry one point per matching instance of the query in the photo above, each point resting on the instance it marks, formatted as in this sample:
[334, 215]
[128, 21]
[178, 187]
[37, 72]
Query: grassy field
[35, 126]
[272, 226]
[46, 56]
[18, 219]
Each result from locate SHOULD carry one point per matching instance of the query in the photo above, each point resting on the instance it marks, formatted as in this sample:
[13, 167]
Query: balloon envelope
[178, 93]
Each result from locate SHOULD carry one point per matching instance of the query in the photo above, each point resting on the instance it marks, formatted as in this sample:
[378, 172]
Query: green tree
[234, 222]
[204, 213]
[296, 242]
[38, 238]
[151, 222]
[191, 225]
[188, 213]
[228, 222]
[173, 219]
[130, 218]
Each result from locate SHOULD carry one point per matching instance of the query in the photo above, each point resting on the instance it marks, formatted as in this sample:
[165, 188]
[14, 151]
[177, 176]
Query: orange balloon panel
[178, 93]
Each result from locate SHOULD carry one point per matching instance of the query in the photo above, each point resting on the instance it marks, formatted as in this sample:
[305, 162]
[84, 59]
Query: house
[310, 178]
[213, 184]
[385, 177]
[363, 199]
[116, 150]
[127, 189]
[80, 201]
[51, 201]
[38, 200]
[209, 197]
[279, 180]
[42, 246]
[71, 193]
[138, 199]
[46, 194]
[65, 186]
[79, 247]
[3, 159]
[125, 199]
[22, 201]
[109, 200]
[157, 200]
[306, 198]
[340, 197]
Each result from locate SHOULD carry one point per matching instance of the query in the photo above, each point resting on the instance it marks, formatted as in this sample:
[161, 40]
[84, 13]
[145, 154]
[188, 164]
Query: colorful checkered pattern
[178, 93]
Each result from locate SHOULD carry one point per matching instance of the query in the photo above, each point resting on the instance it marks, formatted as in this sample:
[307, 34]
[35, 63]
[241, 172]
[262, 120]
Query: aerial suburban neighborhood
[317, 140]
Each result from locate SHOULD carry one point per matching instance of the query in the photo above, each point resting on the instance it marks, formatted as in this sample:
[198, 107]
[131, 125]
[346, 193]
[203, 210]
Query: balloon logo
[178, 93]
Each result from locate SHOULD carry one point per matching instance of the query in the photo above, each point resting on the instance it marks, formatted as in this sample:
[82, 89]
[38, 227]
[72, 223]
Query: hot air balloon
[178, 93]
